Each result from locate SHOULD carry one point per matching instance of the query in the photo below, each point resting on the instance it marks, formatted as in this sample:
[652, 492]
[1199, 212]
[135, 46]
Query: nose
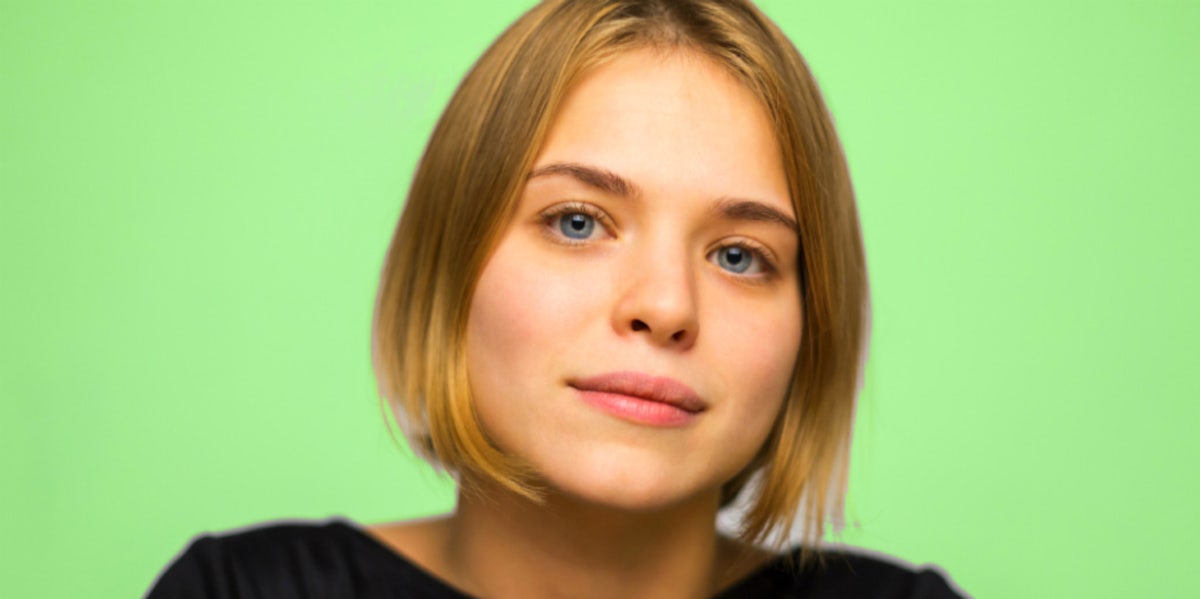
[657, 299]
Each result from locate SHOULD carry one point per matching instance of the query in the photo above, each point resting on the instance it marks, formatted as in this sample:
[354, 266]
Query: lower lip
[638, 410]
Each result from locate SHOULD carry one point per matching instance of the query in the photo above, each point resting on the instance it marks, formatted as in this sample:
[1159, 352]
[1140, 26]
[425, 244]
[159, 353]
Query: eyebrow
[599, 178]
[750, 210]
[612, 183]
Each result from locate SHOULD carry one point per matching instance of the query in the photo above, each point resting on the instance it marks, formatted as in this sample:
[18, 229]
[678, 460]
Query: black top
[337, 559]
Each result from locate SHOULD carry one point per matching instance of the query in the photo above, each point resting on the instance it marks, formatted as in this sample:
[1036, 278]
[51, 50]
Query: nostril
[640, 326]
[678, 336]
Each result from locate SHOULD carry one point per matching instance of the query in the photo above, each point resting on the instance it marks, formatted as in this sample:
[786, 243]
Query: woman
[627, 288]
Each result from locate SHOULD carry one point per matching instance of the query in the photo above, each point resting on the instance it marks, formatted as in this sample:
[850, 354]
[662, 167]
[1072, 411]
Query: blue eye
[735, 259]
[576, 225]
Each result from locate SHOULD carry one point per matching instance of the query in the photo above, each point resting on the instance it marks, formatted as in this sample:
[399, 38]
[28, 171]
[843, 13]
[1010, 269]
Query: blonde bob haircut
[473, 171]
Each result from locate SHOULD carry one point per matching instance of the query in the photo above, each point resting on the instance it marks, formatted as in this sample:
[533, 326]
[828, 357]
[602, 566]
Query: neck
[502, 545]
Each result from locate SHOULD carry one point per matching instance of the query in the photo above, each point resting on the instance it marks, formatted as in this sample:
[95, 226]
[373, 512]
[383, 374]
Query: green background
[197, 199]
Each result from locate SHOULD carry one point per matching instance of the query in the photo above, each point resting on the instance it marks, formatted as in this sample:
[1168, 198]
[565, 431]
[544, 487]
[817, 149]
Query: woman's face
[634, 332]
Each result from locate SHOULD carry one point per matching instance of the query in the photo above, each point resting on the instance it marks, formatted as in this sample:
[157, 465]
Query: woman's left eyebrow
[755, 211]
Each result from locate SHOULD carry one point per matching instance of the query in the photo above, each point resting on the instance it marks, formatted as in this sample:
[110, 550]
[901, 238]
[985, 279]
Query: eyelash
[760, 253]
[549, 221]
[549, 218]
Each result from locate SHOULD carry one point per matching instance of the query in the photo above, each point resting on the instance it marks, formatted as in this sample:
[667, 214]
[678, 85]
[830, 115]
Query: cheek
[520, 311]
[499, 338]
[531, 318]
[526, 317]
[498, 323]
[777, 358]
[500, 330]
[756, 354]
[760, 341]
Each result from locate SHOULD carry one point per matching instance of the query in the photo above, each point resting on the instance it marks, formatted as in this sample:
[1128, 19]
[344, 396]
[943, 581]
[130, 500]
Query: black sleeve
[290, 561]
[930, 584]
[258, 564]
[845, 575]
[850, 575]
[195, 574]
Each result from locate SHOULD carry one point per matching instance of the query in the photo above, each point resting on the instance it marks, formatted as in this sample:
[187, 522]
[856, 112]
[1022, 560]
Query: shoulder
[294, 559]
[837, 573]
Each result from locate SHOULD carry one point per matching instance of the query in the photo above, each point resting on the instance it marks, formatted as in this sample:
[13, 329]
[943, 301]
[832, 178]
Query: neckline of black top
[772, 575]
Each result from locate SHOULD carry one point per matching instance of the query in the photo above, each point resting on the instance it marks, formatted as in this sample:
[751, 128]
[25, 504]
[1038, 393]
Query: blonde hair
[474, 168]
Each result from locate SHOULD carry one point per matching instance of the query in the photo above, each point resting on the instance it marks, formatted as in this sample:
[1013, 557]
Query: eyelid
[770, 262]
[546, 218]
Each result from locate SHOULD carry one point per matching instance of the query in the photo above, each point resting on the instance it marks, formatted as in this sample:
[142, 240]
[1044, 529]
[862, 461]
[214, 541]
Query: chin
[631, 486]
[645, 499]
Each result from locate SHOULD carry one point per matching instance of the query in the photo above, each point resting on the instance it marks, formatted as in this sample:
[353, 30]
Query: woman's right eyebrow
[602, 179]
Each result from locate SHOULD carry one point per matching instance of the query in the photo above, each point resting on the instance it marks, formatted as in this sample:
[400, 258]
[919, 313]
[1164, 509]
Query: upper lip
[636, 384]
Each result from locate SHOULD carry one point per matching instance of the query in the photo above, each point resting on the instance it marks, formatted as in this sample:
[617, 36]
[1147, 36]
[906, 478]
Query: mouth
[641, 398]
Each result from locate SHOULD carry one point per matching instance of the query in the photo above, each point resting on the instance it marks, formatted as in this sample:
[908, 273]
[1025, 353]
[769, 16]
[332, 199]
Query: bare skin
[505, 546]
[647, 284]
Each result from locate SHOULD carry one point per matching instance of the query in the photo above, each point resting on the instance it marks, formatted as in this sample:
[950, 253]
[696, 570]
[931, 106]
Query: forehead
[674, 122]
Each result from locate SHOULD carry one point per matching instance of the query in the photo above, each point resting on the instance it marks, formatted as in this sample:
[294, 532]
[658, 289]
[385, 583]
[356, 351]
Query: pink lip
[638, 397]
